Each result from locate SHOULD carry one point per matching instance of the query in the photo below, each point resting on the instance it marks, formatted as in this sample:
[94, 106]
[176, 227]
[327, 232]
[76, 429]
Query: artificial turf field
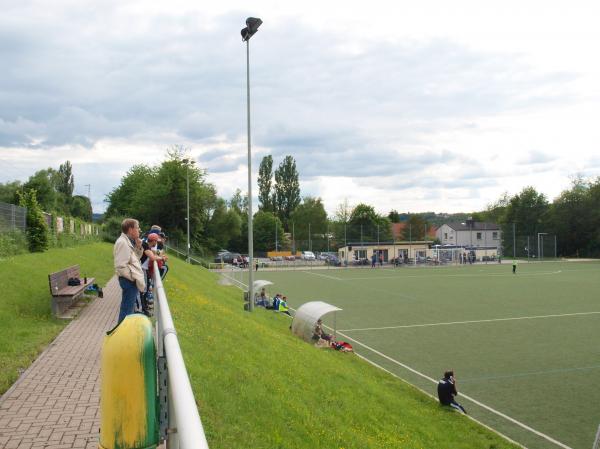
[525, 348]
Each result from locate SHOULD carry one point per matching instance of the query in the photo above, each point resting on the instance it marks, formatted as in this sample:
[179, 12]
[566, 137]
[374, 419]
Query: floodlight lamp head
[252, 24]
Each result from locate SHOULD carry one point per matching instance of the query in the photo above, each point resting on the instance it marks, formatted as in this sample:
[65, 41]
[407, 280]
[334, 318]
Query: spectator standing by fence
[127, 252]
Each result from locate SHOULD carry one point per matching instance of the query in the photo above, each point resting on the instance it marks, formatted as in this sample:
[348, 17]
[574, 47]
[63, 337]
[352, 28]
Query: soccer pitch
[525, 348]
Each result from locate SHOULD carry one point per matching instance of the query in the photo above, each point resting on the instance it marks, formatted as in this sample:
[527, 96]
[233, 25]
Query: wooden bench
[63, 294]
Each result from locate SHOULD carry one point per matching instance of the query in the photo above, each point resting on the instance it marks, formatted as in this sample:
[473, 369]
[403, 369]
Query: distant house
[470, 234]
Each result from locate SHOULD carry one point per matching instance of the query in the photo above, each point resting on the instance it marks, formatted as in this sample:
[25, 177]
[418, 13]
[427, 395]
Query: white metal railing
[175, 250]
[597, 440]
[182, 427]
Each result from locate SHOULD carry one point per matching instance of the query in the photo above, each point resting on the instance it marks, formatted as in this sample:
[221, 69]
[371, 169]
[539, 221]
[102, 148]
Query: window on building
[495, 235]
[445, 236]
[479, 236]
[360, 254]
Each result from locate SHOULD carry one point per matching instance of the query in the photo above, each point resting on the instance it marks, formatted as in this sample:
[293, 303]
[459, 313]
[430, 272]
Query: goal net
[445, 256]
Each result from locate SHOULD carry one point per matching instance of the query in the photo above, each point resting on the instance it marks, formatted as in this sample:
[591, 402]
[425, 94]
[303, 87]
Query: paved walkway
[55, 404]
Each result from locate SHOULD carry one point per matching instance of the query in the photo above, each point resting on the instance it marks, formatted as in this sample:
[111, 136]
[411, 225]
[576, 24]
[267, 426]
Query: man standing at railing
[127, 252]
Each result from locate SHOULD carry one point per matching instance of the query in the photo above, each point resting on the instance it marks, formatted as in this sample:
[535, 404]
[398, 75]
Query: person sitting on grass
[262, 299]
[446, 390]
[276, 302]
[283, 307]
[319, 333]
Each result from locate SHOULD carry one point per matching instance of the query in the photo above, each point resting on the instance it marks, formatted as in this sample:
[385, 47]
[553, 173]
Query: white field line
[450, 323]
[508, 418]
[426, 393]
[469, 275]
[482, 405]
[323, 275]
[237, 283]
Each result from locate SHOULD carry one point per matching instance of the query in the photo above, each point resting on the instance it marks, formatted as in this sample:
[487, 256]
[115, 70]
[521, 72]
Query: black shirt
[145, 247]
[446, 391]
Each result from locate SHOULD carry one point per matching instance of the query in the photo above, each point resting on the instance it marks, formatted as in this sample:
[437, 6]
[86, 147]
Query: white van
[308, 255]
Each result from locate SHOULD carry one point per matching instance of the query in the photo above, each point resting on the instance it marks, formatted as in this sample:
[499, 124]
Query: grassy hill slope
[27, 323]
[258, 386]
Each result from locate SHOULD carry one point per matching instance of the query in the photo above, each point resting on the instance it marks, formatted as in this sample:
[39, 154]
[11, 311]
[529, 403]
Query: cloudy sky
[417, 106]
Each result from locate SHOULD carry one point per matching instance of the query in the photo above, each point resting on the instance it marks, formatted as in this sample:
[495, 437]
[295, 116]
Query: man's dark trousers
[128, 299]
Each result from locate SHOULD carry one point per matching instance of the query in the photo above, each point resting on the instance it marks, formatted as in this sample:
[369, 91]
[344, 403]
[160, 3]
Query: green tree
[224, 226]
[394, 216]
[366, 225]
[575, 219]
[265, 226]
[287, 190]
[265, 180]
[128, 198]
[8, 192]
[81, 207]
[310, 211]
[158, 195]
[65, 180]
[415, 228]
[37, 229]
[526, 211]
[239, 202]
[43, 184]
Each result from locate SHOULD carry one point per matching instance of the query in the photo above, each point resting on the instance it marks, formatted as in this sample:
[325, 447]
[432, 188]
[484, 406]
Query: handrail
[175, 250]
[185, 427]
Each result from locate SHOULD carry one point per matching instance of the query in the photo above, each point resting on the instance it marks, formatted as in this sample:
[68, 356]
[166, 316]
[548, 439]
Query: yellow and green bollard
[128, 401]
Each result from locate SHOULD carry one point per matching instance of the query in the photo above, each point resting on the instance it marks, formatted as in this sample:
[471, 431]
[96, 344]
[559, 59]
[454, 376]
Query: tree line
[573, 217]
[286, 221]
[53, 192]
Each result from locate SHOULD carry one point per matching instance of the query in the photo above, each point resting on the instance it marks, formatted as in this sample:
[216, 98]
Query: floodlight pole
[250, 231]
[252, 25]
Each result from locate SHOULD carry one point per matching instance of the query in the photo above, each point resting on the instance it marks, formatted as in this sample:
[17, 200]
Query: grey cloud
[185, 79]
[537, 157]
[81, 76]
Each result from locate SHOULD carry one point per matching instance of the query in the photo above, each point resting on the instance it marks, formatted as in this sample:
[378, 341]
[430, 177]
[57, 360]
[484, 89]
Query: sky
[414, 106]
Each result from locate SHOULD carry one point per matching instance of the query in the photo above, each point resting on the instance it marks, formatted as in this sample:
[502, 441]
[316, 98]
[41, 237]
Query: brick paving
[55, 404]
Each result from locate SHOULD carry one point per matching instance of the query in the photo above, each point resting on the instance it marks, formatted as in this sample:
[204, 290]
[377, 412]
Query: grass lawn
[27, 323]
[524, 345]
[257, 386]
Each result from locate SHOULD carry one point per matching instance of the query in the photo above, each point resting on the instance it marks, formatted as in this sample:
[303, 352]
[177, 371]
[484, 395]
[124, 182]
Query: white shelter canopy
[306, 316]
[260, 283]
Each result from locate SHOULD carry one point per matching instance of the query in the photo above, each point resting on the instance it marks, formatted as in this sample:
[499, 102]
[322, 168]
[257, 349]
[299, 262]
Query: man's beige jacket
[127, 261]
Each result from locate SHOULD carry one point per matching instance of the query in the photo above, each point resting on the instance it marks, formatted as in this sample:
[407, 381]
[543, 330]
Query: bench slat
[59, 280]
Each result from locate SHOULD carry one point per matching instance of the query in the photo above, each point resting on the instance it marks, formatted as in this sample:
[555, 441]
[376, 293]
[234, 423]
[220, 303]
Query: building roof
[476, 226]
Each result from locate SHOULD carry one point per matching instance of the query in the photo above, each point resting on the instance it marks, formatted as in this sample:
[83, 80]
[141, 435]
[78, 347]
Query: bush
[112, 229]
[37, 229]
[12, 243]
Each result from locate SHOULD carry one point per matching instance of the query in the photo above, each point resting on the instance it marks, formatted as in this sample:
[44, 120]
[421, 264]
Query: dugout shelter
[307, 315]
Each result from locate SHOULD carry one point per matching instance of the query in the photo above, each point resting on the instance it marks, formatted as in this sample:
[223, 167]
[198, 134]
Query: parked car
[276, 258]
[308, 255]
[333, 260]
[290, 258]
[228, 257]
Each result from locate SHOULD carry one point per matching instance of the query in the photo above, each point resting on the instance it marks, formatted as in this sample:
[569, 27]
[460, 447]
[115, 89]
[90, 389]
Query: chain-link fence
[333, 236]
[536, 246]
[12, 218]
